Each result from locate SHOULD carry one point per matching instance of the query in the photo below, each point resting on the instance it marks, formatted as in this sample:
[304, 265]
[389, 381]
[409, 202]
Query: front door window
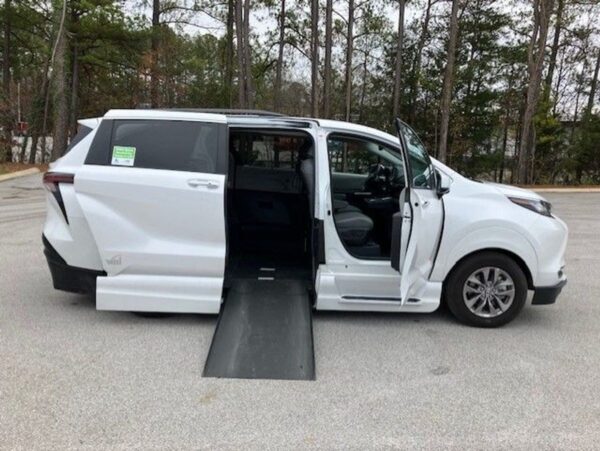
[422, 172]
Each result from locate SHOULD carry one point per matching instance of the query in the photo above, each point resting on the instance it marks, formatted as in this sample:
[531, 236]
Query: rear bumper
[69, 278]
[547, 295]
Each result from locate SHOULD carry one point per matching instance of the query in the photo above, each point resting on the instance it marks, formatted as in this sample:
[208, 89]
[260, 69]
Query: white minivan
[164, 210]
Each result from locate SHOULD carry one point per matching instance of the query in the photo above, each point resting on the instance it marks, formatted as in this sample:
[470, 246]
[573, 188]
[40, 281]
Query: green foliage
[585, 152]
[110, 43]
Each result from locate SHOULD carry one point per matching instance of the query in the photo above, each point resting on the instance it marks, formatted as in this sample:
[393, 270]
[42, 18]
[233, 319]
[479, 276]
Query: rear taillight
[51, 182]
[52, 179]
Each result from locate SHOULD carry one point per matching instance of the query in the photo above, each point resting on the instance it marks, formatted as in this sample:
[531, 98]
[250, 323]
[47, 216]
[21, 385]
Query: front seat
[342, 206]
[353, 226]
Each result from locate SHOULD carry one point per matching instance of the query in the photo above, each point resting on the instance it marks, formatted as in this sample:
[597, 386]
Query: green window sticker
[123, 156]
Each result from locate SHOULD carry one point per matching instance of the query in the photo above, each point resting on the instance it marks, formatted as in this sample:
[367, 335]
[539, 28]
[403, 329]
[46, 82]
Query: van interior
[265, 326]
[269, 205]
[270, 199]
[274, 246]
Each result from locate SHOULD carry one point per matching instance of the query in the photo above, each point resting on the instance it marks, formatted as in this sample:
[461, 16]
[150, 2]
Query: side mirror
[443, 183]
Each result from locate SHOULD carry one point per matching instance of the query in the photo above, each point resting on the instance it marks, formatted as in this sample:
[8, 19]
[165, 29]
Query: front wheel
[488, 289]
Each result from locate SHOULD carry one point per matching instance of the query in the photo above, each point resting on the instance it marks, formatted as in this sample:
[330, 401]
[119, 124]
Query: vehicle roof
[241, 117]
[165, 115]
[351, 127]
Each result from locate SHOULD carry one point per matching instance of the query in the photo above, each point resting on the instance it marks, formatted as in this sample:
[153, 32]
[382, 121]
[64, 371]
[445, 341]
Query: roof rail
[228, 111]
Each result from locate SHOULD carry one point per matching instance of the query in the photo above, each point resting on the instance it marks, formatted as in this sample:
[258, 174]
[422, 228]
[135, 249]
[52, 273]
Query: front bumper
[547, 295]
[66, 277]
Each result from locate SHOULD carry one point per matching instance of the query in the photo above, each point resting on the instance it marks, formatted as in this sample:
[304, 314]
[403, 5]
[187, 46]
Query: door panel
[154, 220]
[423, 215]
[150, 222]
[417, 261]
[153, 192]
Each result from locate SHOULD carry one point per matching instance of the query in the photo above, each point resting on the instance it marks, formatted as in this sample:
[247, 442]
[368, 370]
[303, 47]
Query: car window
[266, 151]
[174, 145]
[422, 171]
[348, 155]
[82, 132]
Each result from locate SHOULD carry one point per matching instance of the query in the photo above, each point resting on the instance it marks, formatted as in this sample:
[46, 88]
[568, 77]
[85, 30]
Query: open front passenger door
[417, 227]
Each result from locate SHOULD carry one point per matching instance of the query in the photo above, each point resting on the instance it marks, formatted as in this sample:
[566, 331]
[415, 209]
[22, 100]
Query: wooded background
[502, 90]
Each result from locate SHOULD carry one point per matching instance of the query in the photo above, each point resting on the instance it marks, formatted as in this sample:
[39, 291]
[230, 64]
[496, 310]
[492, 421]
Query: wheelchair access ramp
[264, 331]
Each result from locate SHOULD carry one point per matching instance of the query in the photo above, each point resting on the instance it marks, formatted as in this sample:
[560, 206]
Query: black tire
[453, 288]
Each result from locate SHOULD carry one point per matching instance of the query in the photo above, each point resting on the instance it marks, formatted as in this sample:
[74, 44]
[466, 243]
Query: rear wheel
[488, 289]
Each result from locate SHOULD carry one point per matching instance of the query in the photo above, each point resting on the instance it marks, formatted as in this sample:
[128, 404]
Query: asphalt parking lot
[74, 377]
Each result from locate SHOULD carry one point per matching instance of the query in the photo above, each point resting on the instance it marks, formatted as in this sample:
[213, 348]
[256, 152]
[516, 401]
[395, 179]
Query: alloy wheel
[489, 292]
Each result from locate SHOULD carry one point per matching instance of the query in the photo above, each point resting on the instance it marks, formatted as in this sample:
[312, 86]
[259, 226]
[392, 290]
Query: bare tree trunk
[365, 79]
[593, 87]
[399, 46]
[45, 95]
[279, 70]
[74, 89]
[59, 91]
[38, 112]
[239, 33]
[414, 88]
[535, 57]
[21, 158]
[327, 69]
[229, 53]
[46, 90]
[554, 50]
[314, 56]
[34, 145]
[7, 116]
[504, 143]
[349, 51]
[514, 163]
[448, 82]
[155, 48]
[248, 55]
[575, 114]
[559, 82]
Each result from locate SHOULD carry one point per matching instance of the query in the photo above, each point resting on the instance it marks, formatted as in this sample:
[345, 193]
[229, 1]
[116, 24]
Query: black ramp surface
[264, 332]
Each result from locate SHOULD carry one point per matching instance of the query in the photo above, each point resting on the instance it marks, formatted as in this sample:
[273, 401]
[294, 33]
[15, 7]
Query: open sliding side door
[153, 192]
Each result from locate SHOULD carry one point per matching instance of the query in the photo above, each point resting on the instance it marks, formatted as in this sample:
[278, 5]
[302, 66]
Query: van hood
[505, 190]
[514, 191]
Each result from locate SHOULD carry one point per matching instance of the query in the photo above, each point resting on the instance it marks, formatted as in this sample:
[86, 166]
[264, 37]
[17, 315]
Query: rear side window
[82, 132]
[161, 144]
[267, 151]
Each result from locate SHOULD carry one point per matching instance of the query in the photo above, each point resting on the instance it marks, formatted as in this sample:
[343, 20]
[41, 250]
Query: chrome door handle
[195, 183]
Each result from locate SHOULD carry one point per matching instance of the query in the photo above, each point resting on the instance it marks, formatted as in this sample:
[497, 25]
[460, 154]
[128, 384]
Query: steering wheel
[397, 181]
[378, 180]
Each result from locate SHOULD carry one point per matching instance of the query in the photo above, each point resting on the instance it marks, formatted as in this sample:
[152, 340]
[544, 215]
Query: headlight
[539, 206]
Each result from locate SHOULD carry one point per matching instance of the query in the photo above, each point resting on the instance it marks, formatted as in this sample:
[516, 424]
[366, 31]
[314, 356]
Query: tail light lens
[52, 181]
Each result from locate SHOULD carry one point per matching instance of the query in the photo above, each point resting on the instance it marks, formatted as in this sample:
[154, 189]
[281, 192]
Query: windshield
[422, 171]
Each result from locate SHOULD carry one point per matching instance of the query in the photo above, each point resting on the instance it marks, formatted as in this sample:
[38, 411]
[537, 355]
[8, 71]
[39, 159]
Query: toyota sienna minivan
[163, 210]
